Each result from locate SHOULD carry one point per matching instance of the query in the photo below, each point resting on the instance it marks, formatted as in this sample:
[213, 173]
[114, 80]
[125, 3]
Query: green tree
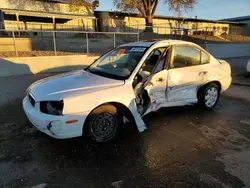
[147, 8]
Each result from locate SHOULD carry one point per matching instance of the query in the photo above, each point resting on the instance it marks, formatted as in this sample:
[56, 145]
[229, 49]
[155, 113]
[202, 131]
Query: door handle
[160, 80]
[203, 73]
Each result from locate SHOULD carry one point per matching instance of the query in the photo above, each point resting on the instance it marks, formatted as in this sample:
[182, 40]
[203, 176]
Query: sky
[204, 9]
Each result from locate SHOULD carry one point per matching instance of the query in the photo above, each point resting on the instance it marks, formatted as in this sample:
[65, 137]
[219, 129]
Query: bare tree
[147, 8]
[80, 2]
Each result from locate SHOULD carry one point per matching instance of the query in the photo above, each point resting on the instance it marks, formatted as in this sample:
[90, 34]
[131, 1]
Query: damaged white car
[122, 86]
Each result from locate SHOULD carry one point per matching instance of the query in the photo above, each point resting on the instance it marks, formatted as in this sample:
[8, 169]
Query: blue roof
[237, 19]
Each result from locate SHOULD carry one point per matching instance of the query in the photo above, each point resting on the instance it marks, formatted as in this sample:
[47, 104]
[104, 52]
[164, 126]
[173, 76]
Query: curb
[241, 84]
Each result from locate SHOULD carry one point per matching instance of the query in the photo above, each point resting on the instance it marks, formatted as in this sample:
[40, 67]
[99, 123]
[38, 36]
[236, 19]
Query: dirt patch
[238, 164]
[234, 150]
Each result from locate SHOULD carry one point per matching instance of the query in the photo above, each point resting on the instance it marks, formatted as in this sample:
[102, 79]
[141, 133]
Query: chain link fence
[47, 26]
[21, 43]
[209, 34]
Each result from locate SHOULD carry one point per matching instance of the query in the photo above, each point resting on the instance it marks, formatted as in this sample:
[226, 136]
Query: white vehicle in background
[248, 67]
[123, 85]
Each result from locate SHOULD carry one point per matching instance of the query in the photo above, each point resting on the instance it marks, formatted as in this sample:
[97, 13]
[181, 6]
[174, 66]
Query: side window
[186, 56]
[152, 59]
[204, 58]
[161, 62]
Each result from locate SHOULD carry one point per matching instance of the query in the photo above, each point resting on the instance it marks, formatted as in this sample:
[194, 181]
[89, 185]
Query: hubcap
[104, 125]
[211, 97]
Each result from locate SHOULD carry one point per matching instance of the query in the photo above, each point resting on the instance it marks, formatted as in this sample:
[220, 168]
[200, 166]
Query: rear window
[204, 58]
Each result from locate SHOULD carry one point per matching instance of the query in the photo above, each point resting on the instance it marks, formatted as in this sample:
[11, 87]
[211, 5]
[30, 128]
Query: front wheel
[104, 123]
[208, 96]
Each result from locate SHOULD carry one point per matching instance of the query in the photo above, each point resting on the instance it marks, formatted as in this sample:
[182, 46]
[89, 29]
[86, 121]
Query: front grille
[32, 101]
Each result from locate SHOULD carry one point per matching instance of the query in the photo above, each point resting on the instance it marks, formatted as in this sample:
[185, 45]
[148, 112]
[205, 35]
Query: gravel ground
[36, 53]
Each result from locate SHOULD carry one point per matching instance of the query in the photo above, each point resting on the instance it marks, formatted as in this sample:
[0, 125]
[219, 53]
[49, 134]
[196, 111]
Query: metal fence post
[87, 42]
[114, 40]
[14, 41]
[54, 41]
[206, 35]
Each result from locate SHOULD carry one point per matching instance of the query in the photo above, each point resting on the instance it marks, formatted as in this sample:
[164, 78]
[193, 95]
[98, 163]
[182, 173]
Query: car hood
[70, 84]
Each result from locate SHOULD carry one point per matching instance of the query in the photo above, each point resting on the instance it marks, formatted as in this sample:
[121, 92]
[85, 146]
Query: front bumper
[54, 126]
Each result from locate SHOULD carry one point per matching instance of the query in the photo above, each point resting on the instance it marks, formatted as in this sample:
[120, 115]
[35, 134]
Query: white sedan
[123, 85]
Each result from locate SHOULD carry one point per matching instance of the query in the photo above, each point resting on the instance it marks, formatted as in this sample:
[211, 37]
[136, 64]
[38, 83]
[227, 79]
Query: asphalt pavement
[182, 147]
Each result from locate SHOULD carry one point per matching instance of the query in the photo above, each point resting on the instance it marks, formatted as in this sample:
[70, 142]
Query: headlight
[52, 107]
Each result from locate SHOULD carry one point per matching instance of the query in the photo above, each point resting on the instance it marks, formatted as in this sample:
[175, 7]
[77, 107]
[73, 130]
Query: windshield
[118, 63]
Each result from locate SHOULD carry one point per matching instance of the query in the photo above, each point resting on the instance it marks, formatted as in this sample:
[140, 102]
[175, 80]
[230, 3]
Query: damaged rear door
[185, 74]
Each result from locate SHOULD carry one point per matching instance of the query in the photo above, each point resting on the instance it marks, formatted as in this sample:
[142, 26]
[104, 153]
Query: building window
[224, 29]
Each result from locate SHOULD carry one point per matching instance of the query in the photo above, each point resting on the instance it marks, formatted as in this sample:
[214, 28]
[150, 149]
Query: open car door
[153, 91]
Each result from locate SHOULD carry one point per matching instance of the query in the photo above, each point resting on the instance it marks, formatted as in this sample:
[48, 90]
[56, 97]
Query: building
[61, 15]
[45, 15]
[242, 19]
[119, 21]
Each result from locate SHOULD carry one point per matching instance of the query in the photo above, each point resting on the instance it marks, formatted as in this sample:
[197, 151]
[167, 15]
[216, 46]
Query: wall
[81, 24]
[164, 26]
[34, 65]
[247, 29]
[63, 43]
[26, 44]
[229, 50]
[14, 25]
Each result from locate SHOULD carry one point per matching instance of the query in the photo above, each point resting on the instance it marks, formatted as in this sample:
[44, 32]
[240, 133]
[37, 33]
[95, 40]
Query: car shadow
[10, 68]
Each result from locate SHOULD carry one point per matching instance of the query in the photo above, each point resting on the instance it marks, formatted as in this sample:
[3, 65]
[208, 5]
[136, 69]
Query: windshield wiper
[89, 70]
[104, 74]
[96, 72]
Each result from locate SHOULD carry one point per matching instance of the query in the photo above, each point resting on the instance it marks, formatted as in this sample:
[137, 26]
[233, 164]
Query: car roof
[148, 43]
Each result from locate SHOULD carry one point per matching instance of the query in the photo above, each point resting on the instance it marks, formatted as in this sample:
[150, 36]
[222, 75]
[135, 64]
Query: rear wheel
[208, 96]
[103, 124]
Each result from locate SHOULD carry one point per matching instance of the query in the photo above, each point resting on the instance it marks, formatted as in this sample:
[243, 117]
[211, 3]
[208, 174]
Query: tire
[208, 96]
[103, 124]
